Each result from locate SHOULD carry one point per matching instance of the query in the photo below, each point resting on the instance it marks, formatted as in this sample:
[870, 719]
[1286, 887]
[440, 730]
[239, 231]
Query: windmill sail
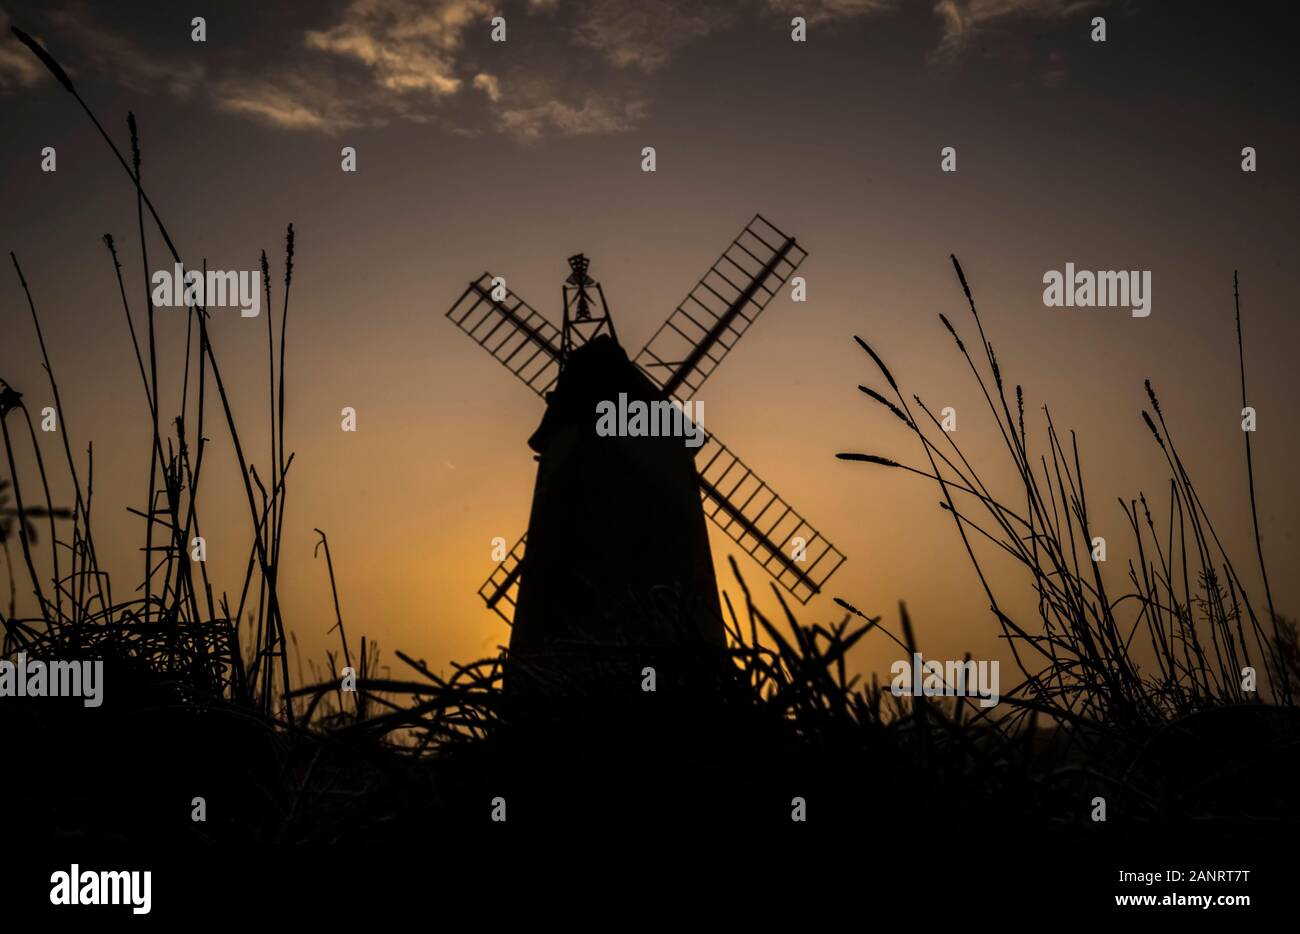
[501, 590]
[682, 354]
[716, 313]
[751, 513]
[512, 331]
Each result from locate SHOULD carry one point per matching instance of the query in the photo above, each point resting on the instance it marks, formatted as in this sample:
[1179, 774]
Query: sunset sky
[511, 156]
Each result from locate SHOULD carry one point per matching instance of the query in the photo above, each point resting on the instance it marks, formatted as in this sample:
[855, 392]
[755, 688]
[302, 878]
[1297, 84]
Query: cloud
[128, 63]
[412, 65]
[414, 55]
[374, 62]
[821, 11]
[290, 101]
[963, 20]
[18, 67]
[408, 46]
[594, 115]
[380, 61]
[489, 85]
[645, 34]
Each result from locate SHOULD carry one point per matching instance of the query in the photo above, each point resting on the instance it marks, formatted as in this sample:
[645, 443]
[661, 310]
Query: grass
[1186, 600]
[201, 696]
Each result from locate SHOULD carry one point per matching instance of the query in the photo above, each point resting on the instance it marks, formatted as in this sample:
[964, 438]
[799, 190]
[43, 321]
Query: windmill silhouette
[616, 550]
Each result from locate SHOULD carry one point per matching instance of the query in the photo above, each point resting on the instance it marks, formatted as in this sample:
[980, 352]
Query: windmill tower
[616, 550]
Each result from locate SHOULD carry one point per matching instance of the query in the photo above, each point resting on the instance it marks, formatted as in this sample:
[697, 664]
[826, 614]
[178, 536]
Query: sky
[475, 155]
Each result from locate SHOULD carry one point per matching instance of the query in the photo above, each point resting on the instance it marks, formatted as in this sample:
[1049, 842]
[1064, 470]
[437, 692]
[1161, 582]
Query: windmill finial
[578, 262]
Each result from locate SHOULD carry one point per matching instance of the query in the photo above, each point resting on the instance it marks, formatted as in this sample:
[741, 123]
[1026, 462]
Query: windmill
[616, 548]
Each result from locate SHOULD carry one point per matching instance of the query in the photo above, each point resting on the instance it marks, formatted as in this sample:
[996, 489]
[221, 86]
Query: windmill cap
[598, 370]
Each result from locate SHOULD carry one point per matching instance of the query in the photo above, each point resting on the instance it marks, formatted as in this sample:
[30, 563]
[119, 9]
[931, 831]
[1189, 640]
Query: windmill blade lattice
[501, 590]
[512, 331]
[751, 513]
[701, 331]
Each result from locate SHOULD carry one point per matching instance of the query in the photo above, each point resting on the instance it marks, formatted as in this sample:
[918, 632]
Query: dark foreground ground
[638, 802]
